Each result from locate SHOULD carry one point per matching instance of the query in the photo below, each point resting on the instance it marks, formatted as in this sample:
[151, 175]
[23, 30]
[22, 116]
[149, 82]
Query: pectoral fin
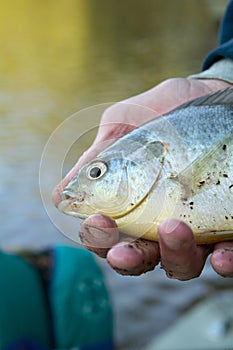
[206, 169]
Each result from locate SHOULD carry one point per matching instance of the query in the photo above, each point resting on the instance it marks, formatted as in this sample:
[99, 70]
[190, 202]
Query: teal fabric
[23, 308]
[80, 305]
[27, 345]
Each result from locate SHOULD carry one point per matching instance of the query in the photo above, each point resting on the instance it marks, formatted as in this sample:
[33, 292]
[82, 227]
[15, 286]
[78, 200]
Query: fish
[178, 165]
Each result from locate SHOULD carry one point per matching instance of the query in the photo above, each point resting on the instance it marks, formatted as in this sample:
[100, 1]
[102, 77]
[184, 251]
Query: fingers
[222, 259]
[181, 258]
[98, 233]
[134, 257]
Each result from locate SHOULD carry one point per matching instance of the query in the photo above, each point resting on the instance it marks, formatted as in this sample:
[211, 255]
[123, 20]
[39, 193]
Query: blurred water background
[58, 57]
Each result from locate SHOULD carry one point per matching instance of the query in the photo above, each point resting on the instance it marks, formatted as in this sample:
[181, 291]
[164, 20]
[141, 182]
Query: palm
[160, 99]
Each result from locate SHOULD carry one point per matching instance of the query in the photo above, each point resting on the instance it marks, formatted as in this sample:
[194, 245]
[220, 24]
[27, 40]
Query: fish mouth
[71, 207]
[71, 202]
[70, 195]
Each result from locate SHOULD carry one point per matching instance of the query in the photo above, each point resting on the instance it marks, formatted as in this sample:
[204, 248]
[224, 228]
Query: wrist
[220, 70]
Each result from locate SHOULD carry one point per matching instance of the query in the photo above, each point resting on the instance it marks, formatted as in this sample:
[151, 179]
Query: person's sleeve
[225, 48]
[219, 63]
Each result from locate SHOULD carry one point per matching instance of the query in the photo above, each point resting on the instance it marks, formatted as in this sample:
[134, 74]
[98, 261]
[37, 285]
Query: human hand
[176, 249]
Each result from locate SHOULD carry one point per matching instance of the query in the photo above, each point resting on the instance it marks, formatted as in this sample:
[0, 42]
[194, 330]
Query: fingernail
[124, 256]
[169, 226]
[175, 234]
[172, 242]
[89, 239]
[99, 238]
[223, 257]
[133, 258]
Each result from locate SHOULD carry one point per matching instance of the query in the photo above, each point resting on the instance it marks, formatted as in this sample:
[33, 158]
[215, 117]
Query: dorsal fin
[224, 96]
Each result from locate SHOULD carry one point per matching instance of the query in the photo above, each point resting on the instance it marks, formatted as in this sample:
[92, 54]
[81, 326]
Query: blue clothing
[54, 300]
[225, 48]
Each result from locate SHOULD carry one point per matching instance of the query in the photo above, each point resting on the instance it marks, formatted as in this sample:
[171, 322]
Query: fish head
[99, 187]
[113, 184]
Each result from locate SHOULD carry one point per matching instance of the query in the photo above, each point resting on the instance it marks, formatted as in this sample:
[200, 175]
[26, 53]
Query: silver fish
[179, 165]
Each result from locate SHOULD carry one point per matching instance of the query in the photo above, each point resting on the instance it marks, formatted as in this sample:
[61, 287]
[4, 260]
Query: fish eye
[96, 170]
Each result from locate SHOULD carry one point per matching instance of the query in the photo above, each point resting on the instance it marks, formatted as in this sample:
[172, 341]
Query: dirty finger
[181, 258]
[98, 233]
[134, 257]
